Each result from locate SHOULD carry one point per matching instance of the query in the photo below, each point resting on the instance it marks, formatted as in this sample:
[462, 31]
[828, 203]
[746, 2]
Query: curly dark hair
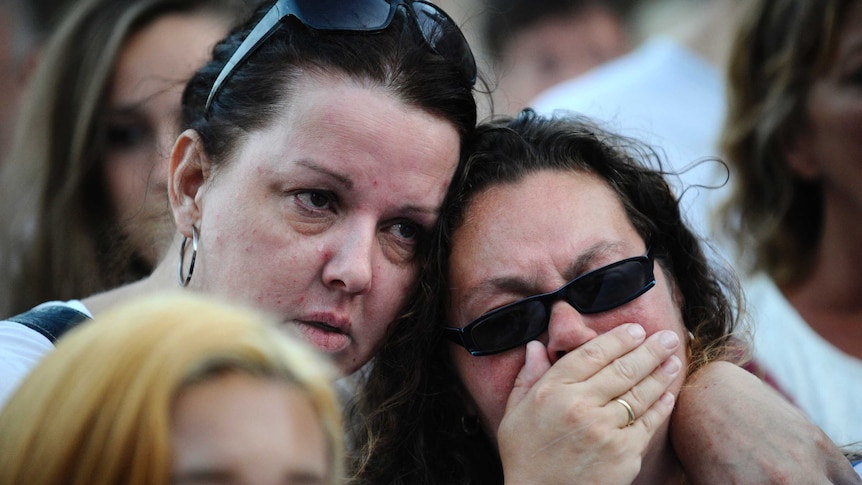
[407, 421]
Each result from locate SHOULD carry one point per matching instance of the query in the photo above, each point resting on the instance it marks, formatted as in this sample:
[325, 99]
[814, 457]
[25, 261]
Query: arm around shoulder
[730, 427]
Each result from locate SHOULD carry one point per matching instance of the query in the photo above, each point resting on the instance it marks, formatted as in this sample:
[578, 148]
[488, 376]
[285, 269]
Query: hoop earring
[185, 281]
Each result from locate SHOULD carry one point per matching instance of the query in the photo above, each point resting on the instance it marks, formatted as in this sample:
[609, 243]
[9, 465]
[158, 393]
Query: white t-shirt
[822, 380]
[665, 95]
[21, 348]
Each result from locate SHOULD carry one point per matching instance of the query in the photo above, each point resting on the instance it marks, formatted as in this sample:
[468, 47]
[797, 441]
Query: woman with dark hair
[318, 146]
[560, 249]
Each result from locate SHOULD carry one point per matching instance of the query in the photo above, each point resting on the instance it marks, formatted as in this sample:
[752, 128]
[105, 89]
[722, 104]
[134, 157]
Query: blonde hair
[98, 409]
[774, 217]
[59, 235]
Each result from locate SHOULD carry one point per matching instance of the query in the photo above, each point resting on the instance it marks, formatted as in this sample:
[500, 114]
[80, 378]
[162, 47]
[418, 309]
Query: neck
[660, 464]
[828, 298]
[163, 278]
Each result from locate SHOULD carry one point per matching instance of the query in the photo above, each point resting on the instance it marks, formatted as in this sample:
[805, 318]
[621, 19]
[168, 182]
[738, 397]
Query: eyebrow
[202, 475]
[348, 184]
[208, 476]
[581, 263]
[137, 110]
[343, 180]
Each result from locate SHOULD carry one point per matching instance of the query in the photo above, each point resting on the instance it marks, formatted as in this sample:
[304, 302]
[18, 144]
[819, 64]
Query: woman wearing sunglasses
[559, 251]
[318, 147]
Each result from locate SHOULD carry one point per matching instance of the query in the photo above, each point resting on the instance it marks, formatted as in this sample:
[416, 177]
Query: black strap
[51, 321]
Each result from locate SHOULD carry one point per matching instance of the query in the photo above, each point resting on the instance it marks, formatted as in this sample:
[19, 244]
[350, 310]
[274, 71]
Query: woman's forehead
[546, 214]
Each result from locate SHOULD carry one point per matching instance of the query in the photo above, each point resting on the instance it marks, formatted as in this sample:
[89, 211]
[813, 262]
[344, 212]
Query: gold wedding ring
[629, 411]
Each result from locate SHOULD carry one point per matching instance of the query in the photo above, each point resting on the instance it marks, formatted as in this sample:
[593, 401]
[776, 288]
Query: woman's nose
[567, 330]
[350, 267]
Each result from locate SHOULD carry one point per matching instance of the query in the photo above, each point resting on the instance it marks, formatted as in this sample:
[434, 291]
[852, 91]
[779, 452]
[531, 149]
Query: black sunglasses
[517, 323]
[440, 32]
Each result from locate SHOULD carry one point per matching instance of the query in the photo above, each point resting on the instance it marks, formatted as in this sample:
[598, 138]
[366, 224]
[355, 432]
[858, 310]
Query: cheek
[392, 283]
[489, 381]
[124, 181]
[661, 311]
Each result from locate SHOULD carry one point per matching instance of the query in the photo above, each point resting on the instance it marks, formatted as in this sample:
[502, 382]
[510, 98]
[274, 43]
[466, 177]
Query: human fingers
[643, 395]
[625, 372]
[585, 361]
[536, 364]
[656, 415]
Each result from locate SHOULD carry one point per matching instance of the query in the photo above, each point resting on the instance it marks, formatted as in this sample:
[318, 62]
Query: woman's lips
[323, 336]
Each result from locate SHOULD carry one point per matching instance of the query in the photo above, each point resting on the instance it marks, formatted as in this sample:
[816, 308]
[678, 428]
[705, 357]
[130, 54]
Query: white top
[21, 348]
[666, 95]
[821, 379]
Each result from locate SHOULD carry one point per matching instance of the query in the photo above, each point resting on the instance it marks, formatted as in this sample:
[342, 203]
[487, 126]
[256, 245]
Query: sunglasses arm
[265, 28]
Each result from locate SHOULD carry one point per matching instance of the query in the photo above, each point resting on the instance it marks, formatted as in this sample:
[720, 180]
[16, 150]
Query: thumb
[536, 364]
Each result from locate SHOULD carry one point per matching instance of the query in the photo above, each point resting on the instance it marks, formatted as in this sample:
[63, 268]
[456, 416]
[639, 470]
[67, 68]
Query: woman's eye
[126, 135]
[314, 199]
[406, 230]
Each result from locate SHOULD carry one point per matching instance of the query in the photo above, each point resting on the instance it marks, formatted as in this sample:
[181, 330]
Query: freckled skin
[516, 230]
[334, 195]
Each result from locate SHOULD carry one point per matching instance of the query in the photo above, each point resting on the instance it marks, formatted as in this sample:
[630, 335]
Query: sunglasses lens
[510, 327]
[444, 36]
[341, 15]
[610, 287]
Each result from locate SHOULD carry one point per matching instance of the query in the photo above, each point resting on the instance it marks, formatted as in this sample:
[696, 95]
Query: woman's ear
[189, 171]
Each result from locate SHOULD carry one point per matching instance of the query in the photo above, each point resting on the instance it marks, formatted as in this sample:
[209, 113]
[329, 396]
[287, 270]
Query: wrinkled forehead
[543, 212]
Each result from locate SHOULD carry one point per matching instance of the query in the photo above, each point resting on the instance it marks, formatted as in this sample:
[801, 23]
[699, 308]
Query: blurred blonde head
[774, 216]
[98, 409]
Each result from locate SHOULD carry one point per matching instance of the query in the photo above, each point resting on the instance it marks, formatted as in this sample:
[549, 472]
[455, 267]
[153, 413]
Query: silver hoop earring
[185, 281]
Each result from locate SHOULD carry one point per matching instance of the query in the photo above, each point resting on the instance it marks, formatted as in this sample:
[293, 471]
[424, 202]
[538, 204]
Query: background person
[24, 25]
[534, 45]
[793, 137]
[175, 389]
[84, 205]
[669, 92]
[18, 42]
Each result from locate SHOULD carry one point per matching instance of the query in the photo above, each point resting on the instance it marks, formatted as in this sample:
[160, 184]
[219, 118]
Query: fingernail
[669, 339]
[667, 398]
[636, 331]
[672, 365]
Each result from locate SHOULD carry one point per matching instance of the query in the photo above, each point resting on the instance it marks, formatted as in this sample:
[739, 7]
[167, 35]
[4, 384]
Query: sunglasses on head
[439, 31]
[517, 323]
